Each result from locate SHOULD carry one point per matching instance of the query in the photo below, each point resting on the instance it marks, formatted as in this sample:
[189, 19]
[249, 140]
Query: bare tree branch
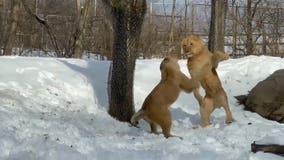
[254, 8]
[46, 26]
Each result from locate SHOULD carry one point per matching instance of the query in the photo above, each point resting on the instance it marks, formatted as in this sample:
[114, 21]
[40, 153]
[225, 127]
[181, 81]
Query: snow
[55, 109]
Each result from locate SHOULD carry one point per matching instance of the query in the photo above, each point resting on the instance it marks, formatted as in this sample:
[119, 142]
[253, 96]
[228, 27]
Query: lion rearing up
[155, 109]
[201, 65]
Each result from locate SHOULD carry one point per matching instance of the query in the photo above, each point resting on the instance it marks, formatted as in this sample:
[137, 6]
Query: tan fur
[202, 65]
[217, 57]
[155, 109]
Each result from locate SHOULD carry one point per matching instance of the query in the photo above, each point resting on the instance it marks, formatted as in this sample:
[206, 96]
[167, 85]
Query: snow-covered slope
[56, 109]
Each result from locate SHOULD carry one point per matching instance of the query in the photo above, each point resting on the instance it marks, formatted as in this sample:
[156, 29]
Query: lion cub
[202, 65]
[155, 109]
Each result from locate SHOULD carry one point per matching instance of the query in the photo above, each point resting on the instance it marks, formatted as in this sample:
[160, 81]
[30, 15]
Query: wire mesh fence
[190, 18]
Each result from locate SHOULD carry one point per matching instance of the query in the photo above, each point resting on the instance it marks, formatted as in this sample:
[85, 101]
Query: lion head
[191, 46]
[169, 67]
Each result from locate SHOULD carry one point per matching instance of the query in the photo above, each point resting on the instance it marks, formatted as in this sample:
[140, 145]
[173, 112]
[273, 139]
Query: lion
[202, 65]
[155, 109]
[216, 58]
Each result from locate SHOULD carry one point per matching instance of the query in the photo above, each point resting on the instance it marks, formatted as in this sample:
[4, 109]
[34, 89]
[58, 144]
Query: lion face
[191, 46]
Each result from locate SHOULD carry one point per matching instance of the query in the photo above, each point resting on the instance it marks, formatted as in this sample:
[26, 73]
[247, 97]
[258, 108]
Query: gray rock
[267, 97]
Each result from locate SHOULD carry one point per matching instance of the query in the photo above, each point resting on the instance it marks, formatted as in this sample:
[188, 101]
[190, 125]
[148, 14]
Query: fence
[191, 18]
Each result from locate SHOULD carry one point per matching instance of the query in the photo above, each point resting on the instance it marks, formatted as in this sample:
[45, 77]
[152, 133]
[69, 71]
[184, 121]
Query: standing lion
[155, 109]
[202, 65]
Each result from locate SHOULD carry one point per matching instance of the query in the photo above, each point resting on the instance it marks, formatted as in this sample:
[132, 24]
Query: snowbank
[57, 109]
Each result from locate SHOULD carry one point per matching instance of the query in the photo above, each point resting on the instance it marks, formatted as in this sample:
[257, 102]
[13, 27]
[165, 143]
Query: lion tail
[137, 116]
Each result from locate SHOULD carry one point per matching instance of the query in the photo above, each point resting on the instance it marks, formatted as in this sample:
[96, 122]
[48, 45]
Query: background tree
[74, 44]
[72, 27]
[249, 26]
[127, 18]
[171, 35]
[217, 25]
[186, 3]
[11, 27]
[83, 12]
[46, 25]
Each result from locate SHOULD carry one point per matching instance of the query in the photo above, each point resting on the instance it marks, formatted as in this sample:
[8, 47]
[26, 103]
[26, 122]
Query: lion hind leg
[225, 105]
[166, 124]
[153, 127]
[198, 96]
[164, 120]
[229, 117]
[205, 111]
[152, 124]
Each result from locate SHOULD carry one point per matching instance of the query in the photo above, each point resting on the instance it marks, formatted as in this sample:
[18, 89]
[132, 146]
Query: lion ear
[163, 62]
[183, 42]
[161, 66]
[167, 59]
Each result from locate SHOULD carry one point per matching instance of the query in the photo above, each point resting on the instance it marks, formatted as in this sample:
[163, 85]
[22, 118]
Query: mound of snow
[57, 109]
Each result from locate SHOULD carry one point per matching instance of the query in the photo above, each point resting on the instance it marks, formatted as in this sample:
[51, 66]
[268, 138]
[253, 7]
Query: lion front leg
[188, 85]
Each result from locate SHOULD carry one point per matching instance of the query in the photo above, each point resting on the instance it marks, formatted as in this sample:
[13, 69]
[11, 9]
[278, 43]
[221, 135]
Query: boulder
[267, 97]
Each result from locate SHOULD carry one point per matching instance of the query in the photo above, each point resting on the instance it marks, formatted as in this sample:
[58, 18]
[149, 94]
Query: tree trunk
[249, 42]
[185, 17]
[171, 35]
[11, 28]
[277, 35]
[192, 19]
[108, 38]
[250, 15]
[121, 107]
[127, 24]
[217, 25]
[235, 30]
[264, 41]
[83, 11]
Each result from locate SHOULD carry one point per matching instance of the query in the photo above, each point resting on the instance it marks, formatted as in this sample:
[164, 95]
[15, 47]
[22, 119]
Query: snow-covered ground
[56, 109]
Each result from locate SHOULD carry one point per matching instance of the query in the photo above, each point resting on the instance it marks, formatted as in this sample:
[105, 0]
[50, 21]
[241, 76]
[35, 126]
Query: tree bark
[264, 41]
[217, 25]
[249, 27]
[127, 20]
[108, 38]
[185, 17]
[171, 35]
[83, 11]
[11, 28]
[120, 105]
[235, 29]
[249, 43]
